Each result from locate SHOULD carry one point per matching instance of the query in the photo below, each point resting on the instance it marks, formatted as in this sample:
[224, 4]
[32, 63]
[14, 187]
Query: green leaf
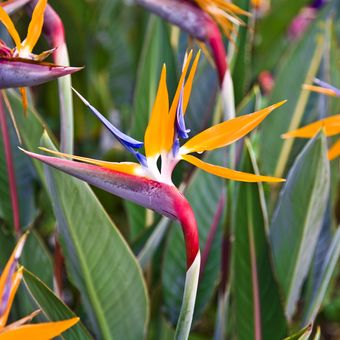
[52, 307]
[299, 67]
[36, 258]
[298, 218]
[258, 309]
[203, 193]
[98, 260]
[321, 281]
[302, 334]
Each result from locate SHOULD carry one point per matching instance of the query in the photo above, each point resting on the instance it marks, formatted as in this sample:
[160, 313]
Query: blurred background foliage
[123, 48]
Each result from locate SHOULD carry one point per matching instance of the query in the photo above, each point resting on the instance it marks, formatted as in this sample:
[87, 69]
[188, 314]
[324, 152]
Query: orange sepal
[170, 126]
[229, 173]
[227, 132]
[188, 83]
[41, 331]
[320, 89]
[331, 127]
[155, 131]
[334, 151]
[35, 26]
[8, 23]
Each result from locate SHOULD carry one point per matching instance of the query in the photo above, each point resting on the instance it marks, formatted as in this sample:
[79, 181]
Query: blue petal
[180, 123]
[127, 141]
[141, 159]
[327, 86]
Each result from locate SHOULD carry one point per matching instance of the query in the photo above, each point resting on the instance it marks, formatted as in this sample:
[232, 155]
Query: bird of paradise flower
[150, 185]
[204, 20]
[331, 124]
[9, 282]
[225, 13]
[19, 67]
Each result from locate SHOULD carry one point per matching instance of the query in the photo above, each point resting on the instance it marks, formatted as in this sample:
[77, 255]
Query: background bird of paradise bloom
[268, 252]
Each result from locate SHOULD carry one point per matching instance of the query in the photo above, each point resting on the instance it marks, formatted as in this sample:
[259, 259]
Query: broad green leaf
[203, 193]
[98, 260]
[321, 281]
[297, 221]
[156, 51]
[321, 249]
[299, 67]
[257, 308]
[52, 307]
[37, 259]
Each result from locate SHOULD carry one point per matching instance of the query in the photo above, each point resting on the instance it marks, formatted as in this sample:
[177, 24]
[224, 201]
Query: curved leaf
[298, 218]
[322, 280]
[258, 308]
[52, 307]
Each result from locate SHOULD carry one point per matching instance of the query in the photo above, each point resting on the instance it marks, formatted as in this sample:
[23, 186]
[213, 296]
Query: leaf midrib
[87, 279]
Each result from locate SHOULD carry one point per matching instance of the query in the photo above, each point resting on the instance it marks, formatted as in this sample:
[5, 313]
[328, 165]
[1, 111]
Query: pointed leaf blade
[258, 308]
[298, 218]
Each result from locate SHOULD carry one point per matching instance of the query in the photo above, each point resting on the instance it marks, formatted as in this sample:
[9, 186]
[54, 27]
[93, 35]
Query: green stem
[188, 302]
